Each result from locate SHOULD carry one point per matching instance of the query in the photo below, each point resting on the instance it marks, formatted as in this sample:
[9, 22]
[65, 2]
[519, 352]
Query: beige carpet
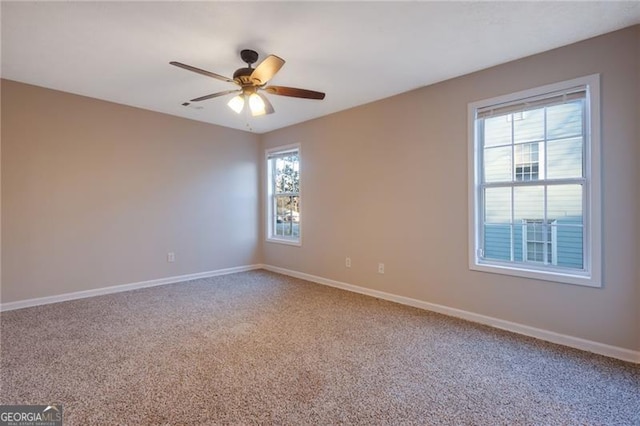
[258, 347]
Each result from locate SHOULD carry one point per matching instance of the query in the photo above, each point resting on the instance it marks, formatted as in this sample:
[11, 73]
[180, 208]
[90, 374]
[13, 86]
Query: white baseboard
[550, 336]
[119, 288]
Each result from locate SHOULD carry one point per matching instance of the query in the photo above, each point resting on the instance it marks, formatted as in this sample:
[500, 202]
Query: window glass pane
[528, 126]
[535, 252]
[284, 193]
[564, 120]
[497, 242]
[564, 203]
[535, 231]
[287, 174]
[497, 164]
[528, 203]
[568, 242]
[497, 205]
[497, 130]
[564, 158]
[287, 216]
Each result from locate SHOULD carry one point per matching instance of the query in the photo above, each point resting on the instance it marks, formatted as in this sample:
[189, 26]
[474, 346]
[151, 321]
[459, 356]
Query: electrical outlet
[347, 262]
[381, 268]
[171, 257]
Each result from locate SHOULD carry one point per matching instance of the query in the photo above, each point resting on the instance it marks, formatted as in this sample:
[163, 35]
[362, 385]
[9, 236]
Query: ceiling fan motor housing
[242, 76]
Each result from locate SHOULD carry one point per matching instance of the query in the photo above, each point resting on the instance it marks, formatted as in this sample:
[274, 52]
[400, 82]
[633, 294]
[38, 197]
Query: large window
[535, 182]
[283, 189]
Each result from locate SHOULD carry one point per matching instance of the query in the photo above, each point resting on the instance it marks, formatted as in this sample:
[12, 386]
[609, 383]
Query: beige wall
[95, 194]
[638, 176]
[387, 182]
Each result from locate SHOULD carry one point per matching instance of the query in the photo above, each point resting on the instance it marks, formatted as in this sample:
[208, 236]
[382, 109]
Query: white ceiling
[356, 52]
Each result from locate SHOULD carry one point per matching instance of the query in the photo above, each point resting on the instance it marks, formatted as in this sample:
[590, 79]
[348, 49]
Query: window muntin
[533, 187]
[283, 187]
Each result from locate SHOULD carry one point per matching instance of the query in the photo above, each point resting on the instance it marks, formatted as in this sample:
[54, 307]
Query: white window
[540, 241]
[283, 195]
[534, 185]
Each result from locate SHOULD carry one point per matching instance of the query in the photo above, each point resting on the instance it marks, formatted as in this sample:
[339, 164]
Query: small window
[535, 183]
[283, 189]
[539, 242]
[527, 161]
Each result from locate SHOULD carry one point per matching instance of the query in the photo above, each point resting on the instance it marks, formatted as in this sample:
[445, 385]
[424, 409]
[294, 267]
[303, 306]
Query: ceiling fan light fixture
[256, 104]
[236, 103]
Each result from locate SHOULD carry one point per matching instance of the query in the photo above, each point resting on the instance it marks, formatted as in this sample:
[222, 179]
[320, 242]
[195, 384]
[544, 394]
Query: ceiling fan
[251, 82]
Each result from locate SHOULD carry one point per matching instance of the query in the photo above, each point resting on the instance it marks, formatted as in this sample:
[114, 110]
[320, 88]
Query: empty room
[320, 213]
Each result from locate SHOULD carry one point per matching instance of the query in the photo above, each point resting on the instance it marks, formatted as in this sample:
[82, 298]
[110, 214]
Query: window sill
[581, 279]
[285, 241]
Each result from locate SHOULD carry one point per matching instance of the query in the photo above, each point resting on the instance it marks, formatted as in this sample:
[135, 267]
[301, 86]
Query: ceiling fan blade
[267, 69]
[200, 71]
[294, 92]
[214, 95]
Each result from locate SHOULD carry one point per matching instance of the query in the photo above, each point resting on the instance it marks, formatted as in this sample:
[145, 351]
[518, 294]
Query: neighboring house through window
[283, 199]
[540, 241]
[535, 183]
[527, 161]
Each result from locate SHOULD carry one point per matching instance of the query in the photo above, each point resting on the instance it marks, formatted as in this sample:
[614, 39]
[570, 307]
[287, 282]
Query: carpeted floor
[258, 347]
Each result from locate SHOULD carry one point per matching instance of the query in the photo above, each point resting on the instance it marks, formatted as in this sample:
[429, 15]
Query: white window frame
[591, 275]
[270, 213]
